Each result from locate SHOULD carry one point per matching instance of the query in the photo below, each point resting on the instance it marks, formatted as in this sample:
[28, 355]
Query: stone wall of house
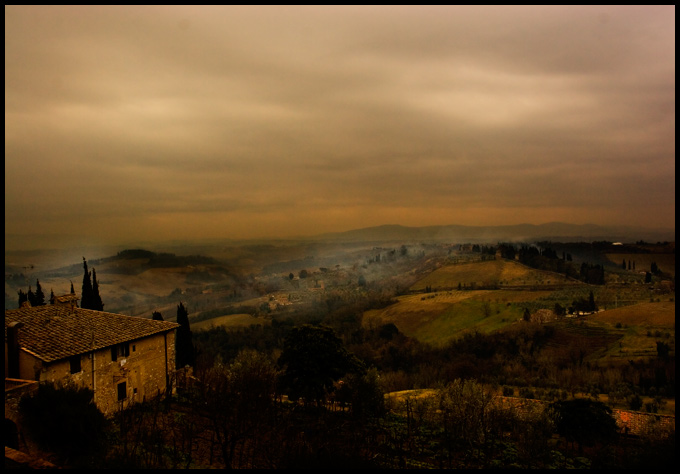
[139, 376]
[144, 371]
[30, 366]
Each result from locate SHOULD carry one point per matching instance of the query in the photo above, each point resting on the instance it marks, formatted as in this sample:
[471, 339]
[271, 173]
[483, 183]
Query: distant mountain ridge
[555, 231]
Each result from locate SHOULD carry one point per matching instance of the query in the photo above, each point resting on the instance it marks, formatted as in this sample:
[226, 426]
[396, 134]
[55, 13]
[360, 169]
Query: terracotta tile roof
[53, 332]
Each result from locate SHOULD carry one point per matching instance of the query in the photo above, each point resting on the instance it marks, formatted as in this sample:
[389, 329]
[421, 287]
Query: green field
[447, 312]
[641, 326]
[438, 316]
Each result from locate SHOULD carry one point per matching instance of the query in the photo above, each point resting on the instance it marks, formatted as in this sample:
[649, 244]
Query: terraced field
[640, 327]
[491, 273]
[441, 316]
[445, 312]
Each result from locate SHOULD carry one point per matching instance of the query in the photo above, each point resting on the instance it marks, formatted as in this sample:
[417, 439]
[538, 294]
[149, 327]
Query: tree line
[235, 416]
[89, 298]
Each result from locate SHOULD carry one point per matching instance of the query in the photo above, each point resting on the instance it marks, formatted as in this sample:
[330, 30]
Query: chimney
[13, 349]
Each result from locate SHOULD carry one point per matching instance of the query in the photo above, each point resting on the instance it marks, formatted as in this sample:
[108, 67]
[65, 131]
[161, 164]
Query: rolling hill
[555, 231]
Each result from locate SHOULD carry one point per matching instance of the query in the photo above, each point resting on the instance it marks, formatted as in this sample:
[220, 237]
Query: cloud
[247, 120]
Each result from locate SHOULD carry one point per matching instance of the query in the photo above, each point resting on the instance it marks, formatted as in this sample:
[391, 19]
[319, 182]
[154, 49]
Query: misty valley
[407, 353]
[340, 237]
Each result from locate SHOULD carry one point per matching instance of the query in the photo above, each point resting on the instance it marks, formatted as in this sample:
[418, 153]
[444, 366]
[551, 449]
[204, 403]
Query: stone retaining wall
[634, 423]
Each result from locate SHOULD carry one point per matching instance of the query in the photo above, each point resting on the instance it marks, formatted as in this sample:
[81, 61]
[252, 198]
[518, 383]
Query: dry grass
[489, 273]
[228, 321]
[641, 326]
[659, 314]
[156, 282]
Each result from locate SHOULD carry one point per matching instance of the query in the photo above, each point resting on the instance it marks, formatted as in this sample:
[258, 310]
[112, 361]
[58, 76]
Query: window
[122, 391]
[74, 361]
[120, 350]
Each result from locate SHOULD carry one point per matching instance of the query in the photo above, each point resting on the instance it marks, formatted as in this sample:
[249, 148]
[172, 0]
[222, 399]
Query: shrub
[64, 420]
[584, 421]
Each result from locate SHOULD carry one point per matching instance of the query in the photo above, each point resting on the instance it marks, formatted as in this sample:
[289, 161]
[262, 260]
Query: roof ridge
[53, 332]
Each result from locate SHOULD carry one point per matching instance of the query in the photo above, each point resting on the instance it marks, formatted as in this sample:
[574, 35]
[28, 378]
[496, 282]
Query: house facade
[122, 359]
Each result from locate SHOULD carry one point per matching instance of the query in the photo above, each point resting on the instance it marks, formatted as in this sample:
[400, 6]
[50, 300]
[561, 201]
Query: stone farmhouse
[122, 359]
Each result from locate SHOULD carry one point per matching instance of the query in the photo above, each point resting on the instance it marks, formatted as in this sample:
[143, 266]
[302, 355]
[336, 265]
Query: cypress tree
[31, 296]
[592, 306]
[96, 299]
[86, 297]
[39, 295]
[22, 297]
[184, 347]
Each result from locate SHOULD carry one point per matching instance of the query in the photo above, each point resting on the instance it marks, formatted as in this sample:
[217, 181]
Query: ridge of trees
[163, 259]
[546, 258]
[36, 298]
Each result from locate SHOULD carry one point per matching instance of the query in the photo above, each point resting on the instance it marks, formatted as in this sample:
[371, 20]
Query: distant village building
[122, 359]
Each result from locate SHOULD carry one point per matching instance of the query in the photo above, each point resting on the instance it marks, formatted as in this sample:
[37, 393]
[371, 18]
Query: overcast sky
[136, 123]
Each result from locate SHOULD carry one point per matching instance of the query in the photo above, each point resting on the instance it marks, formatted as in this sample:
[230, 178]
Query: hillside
[555, 231]
[485, 296]
[419, 312]
[490, 274]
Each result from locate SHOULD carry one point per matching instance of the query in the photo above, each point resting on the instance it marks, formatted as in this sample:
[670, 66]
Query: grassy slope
[440, 316]
[640, 327]
[492, 272]
[229, 322]
[443, 315]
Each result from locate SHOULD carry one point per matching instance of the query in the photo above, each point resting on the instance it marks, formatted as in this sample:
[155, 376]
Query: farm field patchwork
[445, 312]
[228, 321]
[496, 273]
[643, 261]
[442, 313]
[641, 326]
[438, 317]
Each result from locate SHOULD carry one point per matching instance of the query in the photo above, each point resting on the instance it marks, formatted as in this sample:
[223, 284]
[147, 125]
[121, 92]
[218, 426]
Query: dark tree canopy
[39, 297]
[64, 420]
[584, 421]
[36, 298]
[313, 358]
[86, 295]
[90, 298]
[23, 297]
[96, 299]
